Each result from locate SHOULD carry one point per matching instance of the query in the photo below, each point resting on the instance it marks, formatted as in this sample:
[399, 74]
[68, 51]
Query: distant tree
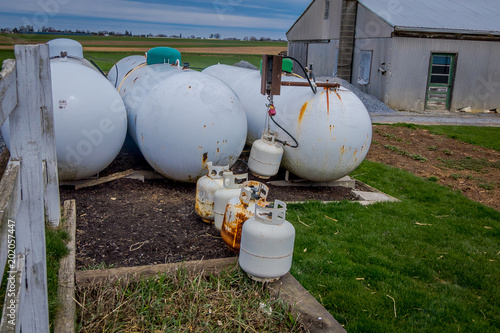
[192, 36]
[217, 36]
[211, 36]
[253, 38]
[245, 38]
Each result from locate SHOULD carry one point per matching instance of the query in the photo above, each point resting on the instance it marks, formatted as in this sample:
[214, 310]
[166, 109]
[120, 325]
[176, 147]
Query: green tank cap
[163, 55]
[286, 65]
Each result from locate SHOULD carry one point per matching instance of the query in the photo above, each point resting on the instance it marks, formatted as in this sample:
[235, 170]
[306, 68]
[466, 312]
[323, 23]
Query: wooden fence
[29, 189]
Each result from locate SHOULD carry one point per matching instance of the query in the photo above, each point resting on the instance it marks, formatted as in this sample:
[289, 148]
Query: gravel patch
[372, 103]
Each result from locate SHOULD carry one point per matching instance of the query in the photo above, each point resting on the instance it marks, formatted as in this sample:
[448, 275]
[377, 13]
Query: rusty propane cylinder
[232, 188]
[241, 208]
[205, 190]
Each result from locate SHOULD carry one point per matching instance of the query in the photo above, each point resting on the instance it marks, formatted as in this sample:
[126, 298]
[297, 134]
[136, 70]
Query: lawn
[428, 263]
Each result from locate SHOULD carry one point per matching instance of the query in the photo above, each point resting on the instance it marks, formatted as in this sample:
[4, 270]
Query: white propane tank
[332, 127]
[206, 187]
[239, 209]
[231, 188]
[267, 241]
[265, 155]
[90, 120]
[180, 118]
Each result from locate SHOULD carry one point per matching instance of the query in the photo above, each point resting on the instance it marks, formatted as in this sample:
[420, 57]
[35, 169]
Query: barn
[413, 55]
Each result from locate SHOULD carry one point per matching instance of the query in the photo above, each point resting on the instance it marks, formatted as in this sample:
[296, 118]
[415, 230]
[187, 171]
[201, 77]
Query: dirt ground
[473, 170]
[129, 223]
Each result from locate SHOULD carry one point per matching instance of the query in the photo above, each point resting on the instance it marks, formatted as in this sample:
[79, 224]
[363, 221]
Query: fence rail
[29, 189]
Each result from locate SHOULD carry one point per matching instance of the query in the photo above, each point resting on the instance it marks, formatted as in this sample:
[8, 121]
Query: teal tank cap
[163, 55]
[286, 65]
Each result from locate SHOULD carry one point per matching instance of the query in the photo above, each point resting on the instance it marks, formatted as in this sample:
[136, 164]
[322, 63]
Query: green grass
[470, 163]
[488, 137]
[56, 249]
[196, 60]
[405, 153]
[435, 253]
[183, 302]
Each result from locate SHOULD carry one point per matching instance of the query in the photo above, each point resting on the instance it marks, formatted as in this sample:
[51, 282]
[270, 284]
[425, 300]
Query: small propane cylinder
[232, 188]
[265, 156]
[267, 243]
[241, 208]
[205, 190]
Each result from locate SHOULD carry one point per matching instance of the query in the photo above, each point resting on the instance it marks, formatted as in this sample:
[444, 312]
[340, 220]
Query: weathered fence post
[26, 147]
[49, 156]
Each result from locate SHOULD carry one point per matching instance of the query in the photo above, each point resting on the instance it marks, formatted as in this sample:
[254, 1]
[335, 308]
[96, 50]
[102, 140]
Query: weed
[432, 148]
[469, 163]
[405, 153]
[183, 302]
[433, 179]
[374, 142]
[487, 186]
[447, 152]
[455, 176]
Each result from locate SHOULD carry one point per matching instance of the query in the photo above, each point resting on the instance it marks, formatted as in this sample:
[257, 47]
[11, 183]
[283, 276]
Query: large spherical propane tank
[205, 191]
[239, 209]
[332, 127]
[267, 241]
[265, 155]
[179, 118]
[231, 188]
[90, 120]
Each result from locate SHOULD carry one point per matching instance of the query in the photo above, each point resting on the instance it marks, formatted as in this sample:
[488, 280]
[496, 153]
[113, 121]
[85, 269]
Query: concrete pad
[346, 181]
[374, 196]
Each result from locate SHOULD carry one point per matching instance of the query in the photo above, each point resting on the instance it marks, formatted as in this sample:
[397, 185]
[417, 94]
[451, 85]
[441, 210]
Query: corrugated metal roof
[464, 16]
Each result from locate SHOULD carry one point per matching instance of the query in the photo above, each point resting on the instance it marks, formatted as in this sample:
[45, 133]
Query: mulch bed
[128, 223]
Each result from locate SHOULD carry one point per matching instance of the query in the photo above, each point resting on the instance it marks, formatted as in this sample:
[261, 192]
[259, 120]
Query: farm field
[199, 53]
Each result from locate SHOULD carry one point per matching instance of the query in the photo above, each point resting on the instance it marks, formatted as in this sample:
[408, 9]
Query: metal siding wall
[381, 48]
[322, 56]
[313, 26]
[298, 50]
[477, 75]
[370, 25]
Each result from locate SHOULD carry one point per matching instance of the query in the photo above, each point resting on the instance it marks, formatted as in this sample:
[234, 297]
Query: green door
[440, 81]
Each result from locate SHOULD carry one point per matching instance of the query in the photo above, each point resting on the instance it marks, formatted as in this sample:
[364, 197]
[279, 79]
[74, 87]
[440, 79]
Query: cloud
[219, 13]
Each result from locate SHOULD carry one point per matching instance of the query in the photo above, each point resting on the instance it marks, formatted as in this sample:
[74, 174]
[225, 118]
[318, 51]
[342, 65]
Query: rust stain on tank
[218, 151]
[355, 152]
[338, 94]
[327, 101]
[302, 112]
[231, 228]
[204, 158]
[343, 149]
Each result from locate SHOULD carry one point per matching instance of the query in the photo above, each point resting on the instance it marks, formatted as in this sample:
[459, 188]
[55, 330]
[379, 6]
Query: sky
[229, 18]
